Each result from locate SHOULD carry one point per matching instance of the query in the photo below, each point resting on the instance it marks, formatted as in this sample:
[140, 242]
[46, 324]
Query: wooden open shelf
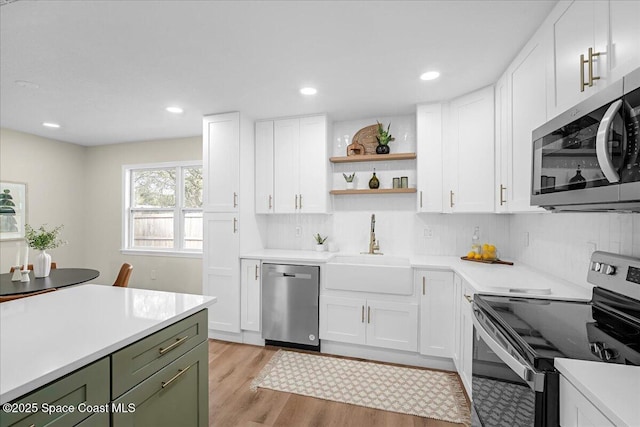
[378, 191]
[373, 158]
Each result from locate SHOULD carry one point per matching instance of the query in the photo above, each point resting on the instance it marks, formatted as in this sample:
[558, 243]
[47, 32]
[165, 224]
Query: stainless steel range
[517, 339]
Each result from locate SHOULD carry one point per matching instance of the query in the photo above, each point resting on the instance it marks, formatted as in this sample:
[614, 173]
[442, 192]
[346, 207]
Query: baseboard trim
[387, 355]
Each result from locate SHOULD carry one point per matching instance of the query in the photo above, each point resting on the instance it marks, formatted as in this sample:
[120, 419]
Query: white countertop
[613, 389]
[484, 278]
[47, 336]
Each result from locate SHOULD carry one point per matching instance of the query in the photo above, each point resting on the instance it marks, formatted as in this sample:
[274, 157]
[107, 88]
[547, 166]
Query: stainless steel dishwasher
[290, 305]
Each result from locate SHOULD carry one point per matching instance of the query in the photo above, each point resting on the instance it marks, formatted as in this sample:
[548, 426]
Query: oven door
[507, 391]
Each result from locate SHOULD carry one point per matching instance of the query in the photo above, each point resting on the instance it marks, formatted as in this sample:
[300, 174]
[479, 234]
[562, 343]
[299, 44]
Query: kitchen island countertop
[45, 337]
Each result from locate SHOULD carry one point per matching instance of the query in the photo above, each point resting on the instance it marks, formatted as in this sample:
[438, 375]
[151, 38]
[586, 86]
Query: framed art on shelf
[13, 210]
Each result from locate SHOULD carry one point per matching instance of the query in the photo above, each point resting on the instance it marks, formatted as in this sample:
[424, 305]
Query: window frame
[179, 211]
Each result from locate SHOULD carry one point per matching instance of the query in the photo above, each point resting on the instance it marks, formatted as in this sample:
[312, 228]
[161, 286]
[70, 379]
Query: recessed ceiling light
[429, 75]
[51, 125]
[308, 91]
[175, 110]
[26, 84]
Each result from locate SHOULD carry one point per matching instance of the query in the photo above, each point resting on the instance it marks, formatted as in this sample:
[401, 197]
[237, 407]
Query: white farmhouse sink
[369, 273]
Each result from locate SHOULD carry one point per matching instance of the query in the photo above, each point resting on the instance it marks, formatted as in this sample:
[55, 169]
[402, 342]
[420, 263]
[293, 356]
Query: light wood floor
[232, 367]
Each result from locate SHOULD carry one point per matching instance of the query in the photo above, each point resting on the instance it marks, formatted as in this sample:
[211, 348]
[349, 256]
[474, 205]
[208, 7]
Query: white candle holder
[17, 274]
[25, 276]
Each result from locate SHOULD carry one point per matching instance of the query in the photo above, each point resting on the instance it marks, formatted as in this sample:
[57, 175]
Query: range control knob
[609, 270]
[595, 266]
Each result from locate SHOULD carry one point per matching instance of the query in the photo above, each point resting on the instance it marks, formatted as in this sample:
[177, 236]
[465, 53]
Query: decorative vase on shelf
[320, 248]
[382, 149]
[351, 185]
[42, 265]
[374, 183]
[578, 182]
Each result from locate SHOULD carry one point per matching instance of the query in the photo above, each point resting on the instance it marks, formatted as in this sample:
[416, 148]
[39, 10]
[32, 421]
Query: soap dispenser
[475, 241]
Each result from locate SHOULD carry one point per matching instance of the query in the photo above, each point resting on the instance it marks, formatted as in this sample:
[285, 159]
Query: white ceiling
[107, 69]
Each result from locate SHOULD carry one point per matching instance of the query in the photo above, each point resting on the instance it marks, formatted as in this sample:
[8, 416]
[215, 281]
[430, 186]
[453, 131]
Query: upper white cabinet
[297, 179]
[436, 312]
[429, 157]
[469, 153]
[221, 158]
[520, 108]
[264, 159]
[605, 33]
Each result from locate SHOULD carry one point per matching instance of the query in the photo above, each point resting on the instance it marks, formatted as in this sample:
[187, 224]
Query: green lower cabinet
[96, 420]
[64, 402]
[177, 395]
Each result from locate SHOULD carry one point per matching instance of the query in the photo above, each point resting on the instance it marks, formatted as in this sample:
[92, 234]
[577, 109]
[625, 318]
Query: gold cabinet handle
[363, 314]
[420, 198]
[175, 377]
[591, 56]
[270, 201]
[178, 342]
[502, 201]
[256, 271]
[368, 314]
[424, 280]
[235, 199]
[468, 298]
[296, 201]
[451, 198]
[235, 225]
[301, 201]
[582, 83]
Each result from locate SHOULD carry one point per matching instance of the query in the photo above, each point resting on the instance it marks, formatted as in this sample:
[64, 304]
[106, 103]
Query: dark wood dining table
[58, 278]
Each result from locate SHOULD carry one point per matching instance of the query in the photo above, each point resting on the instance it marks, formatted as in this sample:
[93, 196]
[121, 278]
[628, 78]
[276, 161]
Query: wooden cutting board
[487, 261]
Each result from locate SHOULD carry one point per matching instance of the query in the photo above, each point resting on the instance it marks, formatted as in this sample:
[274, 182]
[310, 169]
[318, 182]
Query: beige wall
[103, 181]
[81, 187]
[54, 172]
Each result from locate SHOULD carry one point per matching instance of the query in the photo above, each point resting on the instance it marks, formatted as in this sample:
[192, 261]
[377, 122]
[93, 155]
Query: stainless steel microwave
[588, 158]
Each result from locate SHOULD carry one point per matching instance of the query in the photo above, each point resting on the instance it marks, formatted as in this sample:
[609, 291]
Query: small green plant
[42, 239]
[384, 137]
[349, 178]
[319, 239]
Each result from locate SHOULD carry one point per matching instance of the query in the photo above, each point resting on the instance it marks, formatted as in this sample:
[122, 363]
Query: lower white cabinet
[576, 410]
[436, 312]
[250, 275]
[457, 322]
[221, 267]
[372, 322]
[466, 336]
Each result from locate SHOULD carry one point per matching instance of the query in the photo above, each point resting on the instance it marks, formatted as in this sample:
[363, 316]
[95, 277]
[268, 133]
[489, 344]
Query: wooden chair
[12, 297]
[123, 276]
[30, 267]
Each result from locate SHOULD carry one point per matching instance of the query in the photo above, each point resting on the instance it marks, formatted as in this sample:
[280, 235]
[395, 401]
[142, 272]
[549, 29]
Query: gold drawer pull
[175, 377]
[174, 345]
[368, 314]
[468, 298]
[363, 314]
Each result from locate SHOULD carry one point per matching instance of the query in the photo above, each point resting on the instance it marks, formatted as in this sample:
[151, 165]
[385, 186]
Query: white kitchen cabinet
[429, 157]
[469, 153]
[436, 312]
[457, 323]
[250, 294]
[300, 165]
[624, 30]
[520, 108]
[264, 164]
[343, 319]
[466, 337]
[581, 26]
[221, 158]
[222, 269]
[371, 322]
[576, 410]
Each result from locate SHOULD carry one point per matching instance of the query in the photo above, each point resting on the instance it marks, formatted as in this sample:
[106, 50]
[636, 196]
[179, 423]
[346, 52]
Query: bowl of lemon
[486, 253]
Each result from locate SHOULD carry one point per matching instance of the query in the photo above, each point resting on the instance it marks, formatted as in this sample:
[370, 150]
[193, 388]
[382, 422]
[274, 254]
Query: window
[163, 207]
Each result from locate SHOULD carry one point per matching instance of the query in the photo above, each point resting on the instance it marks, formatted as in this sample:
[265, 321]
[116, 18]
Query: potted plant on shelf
[320, 246]
[384, 137]
[349, 178]
[42, 240]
